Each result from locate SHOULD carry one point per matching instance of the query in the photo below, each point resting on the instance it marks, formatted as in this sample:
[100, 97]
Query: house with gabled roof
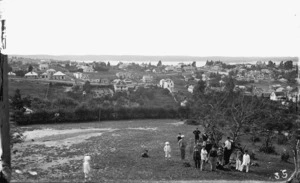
[77, 75]
[44, 75]
[278, 96]
[167, 84]
[123, 75]
[59, 76]
[294, 94]
[31, 75]
[44, 67]
[147, 78]
[189, 68]
[120, 86]
[102, 92]
[11, 74]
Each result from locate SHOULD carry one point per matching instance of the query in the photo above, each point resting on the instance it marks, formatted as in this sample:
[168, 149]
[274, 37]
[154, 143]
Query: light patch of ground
[68, 141]
[35, 134]
[51, 137]
[140, 128]
[177, 123]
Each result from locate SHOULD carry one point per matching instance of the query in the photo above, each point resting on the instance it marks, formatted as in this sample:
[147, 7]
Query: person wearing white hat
[167, 150]
[182, 146]
[87, 168]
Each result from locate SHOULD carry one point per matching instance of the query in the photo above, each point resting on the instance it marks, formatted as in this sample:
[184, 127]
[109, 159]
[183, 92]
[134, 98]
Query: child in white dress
[167, 150]
[87, 168]
[246, 161]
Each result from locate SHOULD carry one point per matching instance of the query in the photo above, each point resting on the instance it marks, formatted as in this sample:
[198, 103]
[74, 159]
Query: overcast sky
[154, 27]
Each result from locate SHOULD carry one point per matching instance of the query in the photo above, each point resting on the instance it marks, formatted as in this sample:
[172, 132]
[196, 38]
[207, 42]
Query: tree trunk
[296, 162]
[4, 120]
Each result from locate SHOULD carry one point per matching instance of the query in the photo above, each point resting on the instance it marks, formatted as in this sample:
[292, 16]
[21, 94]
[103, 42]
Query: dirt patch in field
[177, 123]
[52, 137]
[140, 128]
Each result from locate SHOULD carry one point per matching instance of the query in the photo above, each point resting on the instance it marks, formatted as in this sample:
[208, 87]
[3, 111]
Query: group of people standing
[206, 151]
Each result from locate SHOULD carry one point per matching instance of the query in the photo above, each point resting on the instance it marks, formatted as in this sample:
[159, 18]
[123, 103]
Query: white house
[276, 96]
[77, 75]
[147, 79]
[120, 86]
[43, 67]
[11, 74]
[31, 75]
[44, 76]
[50, 73]
[167, 83]
[59, 76]
[170, 68]
[27, 111]
[87, 68]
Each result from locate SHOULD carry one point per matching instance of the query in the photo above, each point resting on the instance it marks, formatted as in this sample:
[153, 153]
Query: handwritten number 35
[284, 174]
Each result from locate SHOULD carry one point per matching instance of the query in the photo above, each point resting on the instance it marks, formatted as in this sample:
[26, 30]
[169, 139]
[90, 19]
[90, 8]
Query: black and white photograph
[153, 91]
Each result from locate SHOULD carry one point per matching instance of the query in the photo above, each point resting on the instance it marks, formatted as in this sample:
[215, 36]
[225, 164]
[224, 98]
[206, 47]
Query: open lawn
[32, 88]
[56, 154]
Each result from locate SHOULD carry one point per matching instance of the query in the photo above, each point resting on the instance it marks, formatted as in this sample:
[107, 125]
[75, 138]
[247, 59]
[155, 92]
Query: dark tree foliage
[20, 73]
[229, 85]
[30, 68]
[159, 64]
[17, 102]
[194, 64]
[87, 87]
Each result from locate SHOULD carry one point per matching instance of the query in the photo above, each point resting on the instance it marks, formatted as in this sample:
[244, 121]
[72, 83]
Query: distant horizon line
[143, 55]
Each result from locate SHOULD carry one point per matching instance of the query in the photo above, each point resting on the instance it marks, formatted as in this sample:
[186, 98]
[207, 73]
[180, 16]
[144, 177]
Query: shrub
[84, 113]
[192, 122]
[267, 150]
[255, 139]
[281, 139]
[285, 156]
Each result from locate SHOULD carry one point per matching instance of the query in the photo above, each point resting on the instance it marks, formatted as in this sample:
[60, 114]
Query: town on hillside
[278, 82]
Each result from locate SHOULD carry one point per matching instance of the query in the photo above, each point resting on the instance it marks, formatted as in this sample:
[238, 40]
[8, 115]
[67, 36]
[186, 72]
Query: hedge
[85, 114]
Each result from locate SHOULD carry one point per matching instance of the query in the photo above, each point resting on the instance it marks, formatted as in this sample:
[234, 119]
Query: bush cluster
[85, 114]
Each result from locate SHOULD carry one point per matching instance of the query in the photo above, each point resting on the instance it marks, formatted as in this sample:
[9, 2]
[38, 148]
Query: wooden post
[4, 106]
[4, 119]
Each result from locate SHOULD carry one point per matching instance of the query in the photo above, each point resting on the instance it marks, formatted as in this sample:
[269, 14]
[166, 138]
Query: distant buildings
[120, 86]
[31, 75]
[147, 78]
[167, 84]
[44, 67]
[59, 76]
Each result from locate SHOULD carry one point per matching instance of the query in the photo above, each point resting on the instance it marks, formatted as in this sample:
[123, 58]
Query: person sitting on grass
[145, 154]
[167, 150]
[87, 168]
[204, 158]
[246, 161]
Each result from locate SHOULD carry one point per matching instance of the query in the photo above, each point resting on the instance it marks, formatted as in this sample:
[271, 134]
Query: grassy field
[56, 154]
[32, 88]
